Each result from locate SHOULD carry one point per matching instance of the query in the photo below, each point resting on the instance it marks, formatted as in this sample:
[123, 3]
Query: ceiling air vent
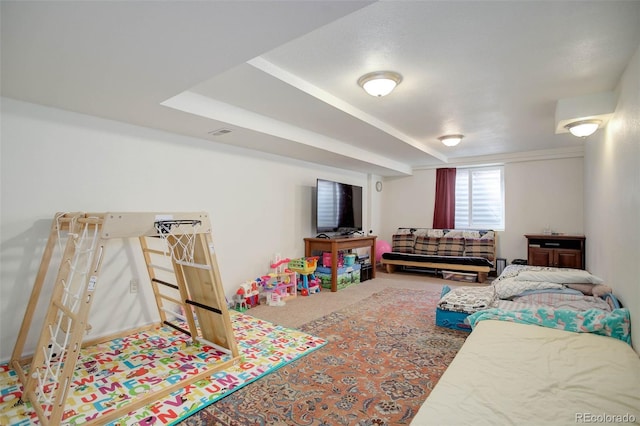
[220, 132]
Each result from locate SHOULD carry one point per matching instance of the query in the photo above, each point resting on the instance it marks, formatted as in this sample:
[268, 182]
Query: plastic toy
[239, 302]
[278, 264]
[275, 298]
[247, 296]
[306, 268]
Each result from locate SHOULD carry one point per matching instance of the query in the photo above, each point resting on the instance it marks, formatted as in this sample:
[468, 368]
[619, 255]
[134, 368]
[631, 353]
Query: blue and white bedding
[558, 298]
[614, 324]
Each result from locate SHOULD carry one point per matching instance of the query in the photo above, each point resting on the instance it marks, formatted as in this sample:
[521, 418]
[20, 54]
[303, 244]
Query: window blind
[480, 198]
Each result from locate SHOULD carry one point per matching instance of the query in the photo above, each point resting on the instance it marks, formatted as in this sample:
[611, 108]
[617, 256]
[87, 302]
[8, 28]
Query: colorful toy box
[346, 276]
[451, 319]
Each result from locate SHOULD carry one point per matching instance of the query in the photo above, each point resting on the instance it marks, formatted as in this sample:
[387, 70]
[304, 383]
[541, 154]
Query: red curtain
[444, 212]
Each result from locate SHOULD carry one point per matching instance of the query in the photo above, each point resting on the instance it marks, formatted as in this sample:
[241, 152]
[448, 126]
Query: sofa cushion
[402, 243]
[426, 245]
[477, 247]
[451, 246]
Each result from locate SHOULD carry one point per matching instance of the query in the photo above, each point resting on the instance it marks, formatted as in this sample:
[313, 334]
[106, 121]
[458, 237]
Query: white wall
[540, 194]
[537, 194]
[54, 161]
[612, 197]
[408, 202]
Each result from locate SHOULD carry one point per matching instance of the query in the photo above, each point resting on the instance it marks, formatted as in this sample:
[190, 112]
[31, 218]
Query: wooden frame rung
[161, 268]
[154, 251]
[193, 265]
[90, 220]
[65, 310]
[171, 299]
[177, 315]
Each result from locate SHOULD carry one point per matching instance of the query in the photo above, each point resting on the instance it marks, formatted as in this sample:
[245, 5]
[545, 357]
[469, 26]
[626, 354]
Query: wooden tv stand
[334, 245]
[560, 251]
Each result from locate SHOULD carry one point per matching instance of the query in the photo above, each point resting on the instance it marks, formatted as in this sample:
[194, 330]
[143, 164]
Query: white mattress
[509, 373]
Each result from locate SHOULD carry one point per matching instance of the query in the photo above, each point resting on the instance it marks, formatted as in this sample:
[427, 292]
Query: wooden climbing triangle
[198, 301]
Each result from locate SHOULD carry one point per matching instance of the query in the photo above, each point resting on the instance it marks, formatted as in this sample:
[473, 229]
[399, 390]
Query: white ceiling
[282, 74]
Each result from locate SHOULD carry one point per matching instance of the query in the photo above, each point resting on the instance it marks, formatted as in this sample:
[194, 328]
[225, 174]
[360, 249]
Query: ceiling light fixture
[583, 128]
[379, 83]
[580, 113]
[451, 140]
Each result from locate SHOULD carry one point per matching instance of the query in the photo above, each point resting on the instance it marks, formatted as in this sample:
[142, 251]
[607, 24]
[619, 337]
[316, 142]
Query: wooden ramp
[182, 241]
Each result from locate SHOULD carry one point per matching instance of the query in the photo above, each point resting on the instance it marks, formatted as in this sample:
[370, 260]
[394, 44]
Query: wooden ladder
[199, 292]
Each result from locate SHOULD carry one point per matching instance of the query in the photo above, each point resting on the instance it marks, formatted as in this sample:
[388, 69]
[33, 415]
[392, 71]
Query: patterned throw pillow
[451, 247]
[426, 245]
[402, 243]
[477, 247]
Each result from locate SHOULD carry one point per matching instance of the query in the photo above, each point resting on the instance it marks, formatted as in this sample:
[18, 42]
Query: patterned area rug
[383, 358]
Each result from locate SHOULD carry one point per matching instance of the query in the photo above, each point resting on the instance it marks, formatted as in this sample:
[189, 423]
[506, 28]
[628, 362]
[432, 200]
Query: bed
[541, 356]
[512, 373]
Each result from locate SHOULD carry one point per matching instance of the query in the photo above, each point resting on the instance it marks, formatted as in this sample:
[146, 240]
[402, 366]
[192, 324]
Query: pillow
[426, 245]
[597, 290]
[512, 287]
[564, 276]
[451, 246]
[435, 233]
[476, 247]
[600, 290]
[402, 243]
[487, 235]
[453, 233]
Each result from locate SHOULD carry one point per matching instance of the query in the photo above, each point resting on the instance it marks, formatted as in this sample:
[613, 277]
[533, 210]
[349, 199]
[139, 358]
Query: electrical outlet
[133, 286]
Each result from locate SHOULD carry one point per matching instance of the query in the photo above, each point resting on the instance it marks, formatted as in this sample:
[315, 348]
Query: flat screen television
[338, 207]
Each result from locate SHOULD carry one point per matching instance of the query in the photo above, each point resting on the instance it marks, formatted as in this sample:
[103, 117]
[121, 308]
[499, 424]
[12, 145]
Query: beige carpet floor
[301, 310]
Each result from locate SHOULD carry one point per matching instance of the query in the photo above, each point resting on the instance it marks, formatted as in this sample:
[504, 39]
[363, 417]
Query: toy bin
[349, 259]
[346, 276]
[460, 276]
[451, 319]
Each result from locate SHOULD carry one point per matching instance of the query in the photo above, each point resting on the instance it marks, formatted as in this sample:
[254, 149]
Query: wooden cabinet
[334, 245]
[561, 251]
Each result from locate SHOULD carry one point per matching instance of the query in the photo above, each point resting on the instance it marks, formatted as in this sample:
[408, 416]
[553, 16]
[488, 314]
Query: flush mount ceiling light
[583, 128]
[585, 114]
[451, 140]
[379, 83]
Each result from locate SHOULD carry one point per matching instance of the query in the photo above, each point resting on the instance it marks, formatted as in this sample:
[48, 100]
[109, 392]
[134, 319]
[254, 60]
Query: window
[480, 198]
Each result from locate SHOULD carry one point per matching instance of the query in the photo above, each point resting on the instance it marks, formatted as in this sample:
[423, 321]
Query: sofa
[465, 251]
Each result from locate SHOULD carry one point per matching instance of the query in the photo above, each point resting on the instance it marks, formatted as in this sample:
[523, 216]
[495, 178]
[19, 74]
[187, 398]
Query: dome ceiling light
[585, 114]
[451, 140]
[379, 83]
[583, 128]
